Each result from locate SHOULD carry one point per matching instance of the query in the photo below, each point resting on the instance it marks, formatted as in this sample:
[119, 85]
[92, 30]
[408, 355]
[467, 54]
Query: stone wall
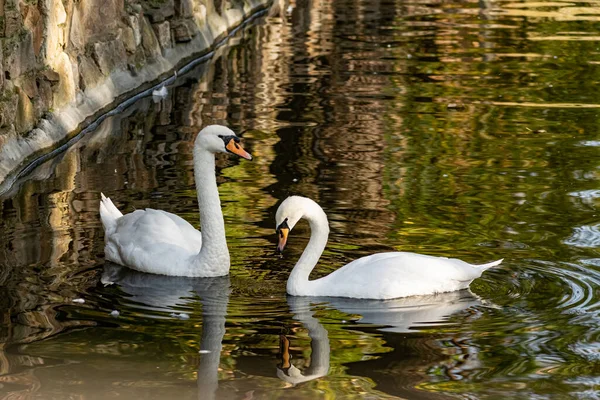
[65, 60]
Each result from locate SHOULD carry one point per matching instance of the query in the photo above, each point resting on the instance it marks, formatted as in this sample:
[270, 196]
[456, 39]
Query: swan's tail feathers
[487, 266]
[108, 213]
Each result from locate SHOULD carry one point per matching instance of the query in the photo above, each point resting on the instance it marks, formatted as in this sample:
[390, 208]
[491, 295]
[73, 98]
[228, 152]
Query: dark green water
[467, 129]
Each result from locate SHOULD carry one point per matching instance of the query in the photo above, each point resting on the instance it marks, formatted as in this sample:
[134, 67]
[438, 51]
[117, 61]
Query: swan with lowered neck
[159, 242]
[378, 276]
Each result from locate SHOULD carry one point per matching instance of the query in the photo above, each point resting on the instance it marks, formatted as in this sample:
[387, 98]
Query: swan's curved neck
[298, 283]
[214, 244]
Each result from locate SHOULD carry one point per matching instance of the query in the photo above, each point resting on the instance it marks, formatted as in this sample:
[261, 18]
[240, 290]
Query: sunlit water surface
[456, 128]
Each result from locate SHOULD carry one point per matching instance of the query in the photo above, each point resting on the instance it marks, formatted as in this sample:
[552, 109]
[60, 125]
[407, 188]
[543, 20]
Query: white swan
[159, 242]
[379, 276]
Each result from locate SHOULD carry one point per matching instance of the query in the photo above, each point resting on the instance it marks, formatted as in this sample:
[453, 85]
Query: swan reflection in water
[398, 315]
[164, 293]
[319, 364]
[157, 293]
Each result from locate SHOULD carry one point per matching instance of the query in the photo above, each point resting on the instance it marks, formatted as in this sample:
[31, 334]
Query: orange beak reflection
[283, 235]
[284, 348]
[236, 148]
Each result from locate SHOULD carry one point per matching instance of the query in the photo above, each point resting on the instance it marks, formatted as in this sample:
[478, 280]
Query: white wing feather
[152, 240]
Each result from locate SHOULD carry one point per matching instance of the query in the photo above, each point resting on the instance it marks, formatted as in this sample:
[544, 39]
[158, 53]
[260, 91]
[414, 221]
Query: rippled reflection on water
[463, 128]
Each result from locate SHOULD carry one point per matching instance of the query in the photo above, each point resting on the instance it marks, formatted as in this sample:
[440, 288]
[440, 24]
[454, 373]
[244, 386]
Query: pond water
[455, 128]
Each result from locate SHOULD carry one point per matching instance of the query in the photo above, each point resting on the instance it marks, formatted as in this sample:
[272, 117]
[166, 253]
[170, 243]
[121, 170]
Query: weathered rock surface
[12, 18]
[127, 37]
[8, 110]
[149, 40]
[65, 60]
[163, 33]
[65, 90]
[159, 10]
[32, 20]
[19, 57]
[89, 73]
[185, 8]
[184, 31]
[24, 120]
[110, 55]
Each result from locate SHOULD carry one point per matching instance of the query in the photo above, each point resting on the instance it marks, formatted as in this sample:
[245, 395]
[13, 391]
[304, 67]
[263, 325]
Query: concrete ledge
[57, 126]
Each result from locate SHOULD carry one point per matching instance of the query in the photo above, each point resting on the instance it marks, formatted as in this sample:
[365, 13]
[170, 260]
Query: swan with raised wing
[378, 276]
[159, 242]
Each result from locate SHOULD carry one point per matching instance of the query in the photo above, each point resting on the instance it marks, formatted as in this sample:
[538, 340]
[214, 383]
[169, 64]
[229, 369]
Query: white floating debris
[80, 301]
[115, 313]
[204, 352]
[289, 9]
[180, 316]
[295, 180]
[409, 56]
[161, 93]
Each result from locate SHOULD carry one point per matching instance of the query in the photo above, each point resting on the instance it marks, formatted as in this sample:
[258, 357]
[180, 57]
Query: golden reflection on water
[456, 129]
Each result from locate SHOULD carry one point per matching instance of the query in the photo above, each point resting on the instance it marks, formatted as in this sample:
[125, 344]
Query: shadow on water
[463, 129]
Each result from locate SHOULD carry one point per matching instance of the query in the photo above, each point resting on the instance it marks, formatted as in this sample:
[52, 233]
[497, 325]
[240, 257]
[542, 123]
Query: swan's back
[147, 239]
[149, 226]
[398, 274]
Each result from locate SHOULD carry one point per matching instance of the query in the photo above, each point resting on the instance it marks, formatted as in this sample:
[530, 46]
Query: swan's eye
[282, 225]
[228, 139]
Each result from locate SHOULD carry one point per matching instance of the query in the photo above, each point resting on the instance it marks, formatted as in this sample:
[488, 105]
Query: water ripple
[588, 196]
[579, 284]
[585, 236]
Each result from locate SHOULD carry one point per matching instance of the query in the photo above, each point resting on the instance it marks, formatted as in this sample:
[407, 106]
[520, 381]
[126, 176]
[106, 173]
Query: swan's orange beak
[234, 147]
[282, 232]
